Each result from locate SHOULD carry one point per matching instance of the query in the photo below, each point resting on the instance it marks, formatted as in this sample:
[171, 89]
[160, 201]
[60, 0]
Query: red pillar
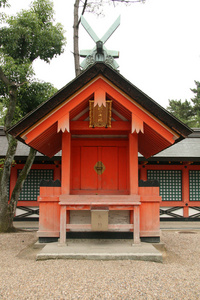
[66, 160]
[133, 162]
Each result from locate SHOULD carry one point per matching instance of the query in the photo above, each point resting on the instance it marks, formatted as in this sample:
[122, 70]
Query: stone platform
[100, 250]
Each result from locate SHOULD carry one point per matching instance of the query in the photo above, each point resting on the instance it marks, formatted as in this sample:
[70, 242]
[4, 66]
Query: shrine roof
[186, 150]
[116, 79]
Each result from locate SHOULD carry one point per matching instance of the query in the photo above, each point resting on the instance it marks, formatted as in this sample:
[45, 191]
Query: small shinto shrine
[100, 121]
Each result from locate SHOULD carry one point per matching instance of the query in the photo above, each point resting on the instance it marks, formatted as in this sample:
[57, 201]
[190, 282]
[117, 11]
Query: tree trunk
[76, 38]
[12, 146]
[4, 180]
[7, 210]
[18, 187]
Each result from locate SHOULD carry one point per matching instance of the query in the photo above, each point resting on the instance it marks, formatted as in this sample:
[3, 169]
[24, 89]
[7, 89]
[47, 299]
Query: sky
[158, 42]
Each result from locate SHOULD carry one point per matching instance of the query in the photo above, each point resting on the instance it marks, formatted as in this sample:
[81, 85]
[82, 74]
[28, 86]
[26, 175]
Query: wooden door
[109, 178]
[88, 176]
[99, 169]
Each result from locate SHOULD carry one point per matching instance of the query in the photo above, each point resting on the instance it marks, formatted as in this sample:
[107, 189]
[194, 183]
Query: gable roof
[118, 81]
[186, 150]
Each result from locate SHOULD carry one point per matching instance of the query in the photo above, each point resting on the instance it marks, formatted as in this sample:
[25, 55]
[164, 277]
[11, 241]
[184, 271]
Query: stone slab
[100, 250]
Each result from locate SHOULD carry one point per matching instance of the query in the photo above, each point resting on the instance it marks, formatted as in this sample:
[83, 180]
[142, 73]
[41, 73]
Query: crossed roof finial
[99, 53]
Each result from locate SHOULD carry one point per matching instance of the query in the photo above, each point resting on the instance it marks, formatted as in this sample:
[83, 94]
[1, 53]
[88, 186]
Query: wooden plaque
[100, 116]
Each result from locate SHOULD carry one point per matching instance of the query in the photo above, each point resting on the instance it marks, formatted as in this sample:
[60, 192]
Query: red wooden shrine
[100, 121]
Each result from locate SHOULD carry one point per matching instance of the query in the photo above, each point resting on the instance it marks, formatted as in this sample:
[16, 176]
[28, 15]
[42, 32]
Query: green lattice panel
[31, 186]
[194, 185]
[170, 183]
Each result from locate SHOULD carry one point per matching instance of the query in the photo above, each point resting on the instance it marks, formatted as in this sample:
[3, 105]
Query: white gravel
[21, 277]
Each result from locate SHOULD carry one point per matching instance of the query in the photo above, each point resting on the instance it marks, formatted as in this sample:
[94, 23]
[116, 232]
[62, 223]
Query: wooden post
[133, 163]
[65, 181]
[133, 166]
[62, 224]
[136, 239]
[66, 160]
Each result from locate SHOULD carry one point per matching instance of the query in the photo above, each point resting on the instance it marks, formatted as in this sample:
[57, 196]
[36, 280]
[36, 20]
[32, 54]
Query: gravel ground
[22, 277]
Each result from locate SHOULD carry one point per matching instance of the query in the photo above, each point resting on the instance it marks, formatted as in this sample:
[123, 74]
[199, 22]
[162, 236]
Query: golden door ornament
[99, 168]
[100, 116]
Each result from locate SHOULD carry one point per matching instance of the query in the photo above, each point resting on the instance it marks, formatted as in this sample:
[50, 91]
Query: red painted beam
[84, 125]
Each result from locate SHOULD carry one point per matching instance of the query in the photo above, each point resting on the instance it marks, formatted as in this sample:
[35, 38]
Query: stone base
[100, 249]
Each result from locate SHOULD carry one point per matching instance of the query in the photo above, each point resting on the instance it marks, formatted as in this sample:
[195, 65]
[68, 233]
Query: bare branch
[84, 8]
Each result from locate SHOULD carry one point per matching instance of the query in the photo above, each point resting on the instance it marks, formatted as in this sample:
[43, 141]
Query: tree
[29, 35]
[182, 110]
[188, 111]
[82, 6]
[196, 103]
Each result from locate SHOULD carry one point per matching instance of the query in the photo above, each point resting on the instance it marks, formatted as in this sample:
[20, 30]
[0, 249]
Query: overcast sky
[158, 41]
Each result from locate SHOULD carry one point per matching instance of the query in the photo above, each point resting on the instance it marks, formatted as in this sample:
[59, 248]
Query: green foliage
[31, 34]
[3, 3]
[182, 110]
[36, 93]
[30, 95]
[188, 111]
[14, 70]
